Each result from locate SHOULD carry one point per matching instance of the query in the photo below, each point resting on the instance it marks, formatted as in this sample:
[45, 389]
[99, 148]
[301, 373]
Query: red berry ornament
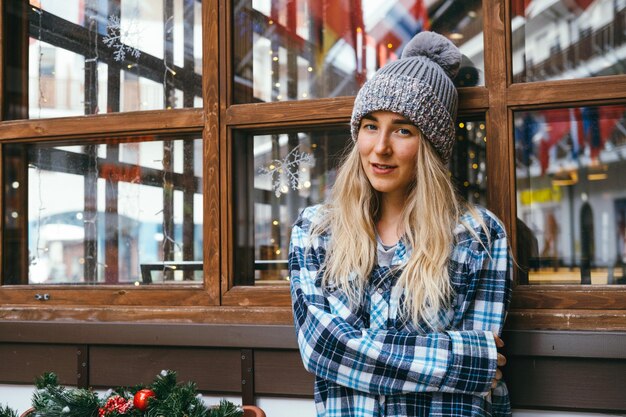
[140, 400]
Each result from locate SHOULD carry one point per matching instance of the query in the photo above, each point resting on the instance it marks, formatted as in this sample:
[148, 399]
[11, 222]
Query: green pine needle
[7, 412]
[52, 400]
[171, 400]
[164, 383]
[46, 380]
[226, 409]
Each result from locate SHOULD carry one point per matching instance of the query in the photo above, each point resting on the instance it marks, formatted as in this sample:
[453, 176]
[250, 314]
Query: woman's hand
[501, 361]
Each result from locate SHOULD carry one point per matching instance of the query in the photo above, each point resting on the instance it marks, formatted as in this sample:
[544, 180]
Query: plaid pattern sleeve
[487, 296]
[377, 361]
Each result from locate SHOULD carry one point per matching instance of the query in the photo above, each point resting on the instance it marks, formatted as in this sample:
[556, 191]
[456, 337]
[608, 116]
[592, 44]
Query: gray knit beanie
[418, 86]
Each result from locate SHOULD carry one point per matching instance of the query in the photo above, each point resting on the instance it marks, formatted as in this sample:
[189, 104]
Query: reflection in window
[277, 175]
[571, 201]
[89, 57]
[301, 49]
[468, 163]
[118, 211]
[555, 40]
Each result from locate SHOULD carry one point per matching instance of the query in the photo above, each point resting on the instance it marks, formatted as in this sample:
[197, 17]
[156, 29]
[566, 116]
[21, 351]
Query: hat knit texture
[418, 86]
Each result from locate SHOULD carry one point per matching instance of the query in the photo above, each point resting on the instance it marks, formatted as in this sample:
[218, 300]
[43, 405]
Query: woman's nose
[382, 143]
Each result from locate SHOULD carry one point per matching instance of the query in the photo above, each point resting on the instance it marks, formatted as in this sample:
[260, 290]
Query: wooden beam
[102, 125]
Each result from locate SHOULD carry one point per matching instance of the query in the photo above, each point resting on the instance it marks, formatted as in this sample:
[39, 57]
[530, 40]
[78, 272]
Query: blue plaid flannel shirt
[369, 362]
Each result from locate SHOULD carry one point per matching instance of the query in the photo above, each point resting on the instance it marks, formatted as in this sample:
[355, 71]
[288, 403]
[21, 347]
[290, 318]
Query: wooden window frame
[560, 307]
[158, 302]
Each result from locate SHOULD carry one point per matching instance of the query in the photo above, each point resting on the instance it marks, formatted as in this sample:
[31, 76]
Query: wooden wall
[545, 370]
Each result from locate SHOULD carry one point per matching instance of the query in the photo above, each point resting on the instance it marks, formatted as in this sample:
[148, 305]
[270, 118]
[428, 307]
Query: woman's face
[388, 145]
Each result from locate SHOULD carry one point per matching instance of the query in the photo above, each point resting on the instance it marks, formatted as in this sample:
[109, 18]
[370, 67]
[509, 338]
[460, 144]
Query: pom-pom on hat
[418, 86]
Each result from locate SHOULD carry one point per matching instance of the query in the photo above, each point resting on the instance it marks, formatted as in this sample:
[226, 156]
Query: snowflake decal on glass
[285, 173]
[115, 33]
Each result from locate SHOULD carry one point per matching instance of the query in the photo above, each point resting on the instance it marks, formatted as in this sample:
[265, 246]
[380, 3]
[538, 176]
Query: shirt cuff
[472, 363]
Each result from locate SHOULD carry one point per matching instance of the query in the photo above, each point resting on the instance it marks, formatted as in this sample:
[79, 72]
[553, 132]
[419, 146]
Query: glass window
[277, 175]
[571, 200]
[468, 163]
[90, 57]
[124, 210]
[300, 49]
[556, 40]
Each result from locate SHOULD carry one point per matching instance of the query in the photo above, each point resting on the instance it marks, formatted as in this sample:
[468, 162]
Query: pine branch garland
[57, 401]
[226, 409]
[170, 399]
[5, 411]
[181, 402]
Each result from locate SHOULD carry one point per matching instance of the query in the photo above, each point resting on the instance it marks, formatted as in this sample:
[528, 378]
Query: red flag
[609, 117]
[400, 23]
[340, 20]
[518, 7]
[558, 125]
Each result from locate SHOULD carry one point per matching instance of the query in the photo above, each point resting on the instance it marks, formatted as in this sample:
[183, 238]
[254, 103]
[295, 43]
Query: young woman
[399, 288]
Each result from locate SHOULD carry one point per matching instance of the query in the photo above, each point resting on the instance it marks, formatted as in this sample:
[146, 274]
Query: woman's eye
[369, 126]
[404, 132]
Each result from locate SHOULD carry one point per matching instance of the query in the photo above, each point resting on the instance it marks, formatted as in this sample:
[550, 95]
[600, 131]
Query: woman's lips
[382, 168]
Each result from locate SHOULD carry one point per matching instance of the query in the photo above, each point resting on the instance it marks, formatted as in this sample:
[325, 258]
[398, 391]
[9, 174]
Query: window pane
[123, 210]
[277, 175]
[90, 57]
[556, 40]
[571, 200]
[468, 163]
[293, 50]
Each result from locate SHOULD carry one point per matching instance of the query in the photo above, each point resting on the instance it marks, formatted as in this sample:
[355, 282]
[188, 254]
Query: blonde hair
[431, 213]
